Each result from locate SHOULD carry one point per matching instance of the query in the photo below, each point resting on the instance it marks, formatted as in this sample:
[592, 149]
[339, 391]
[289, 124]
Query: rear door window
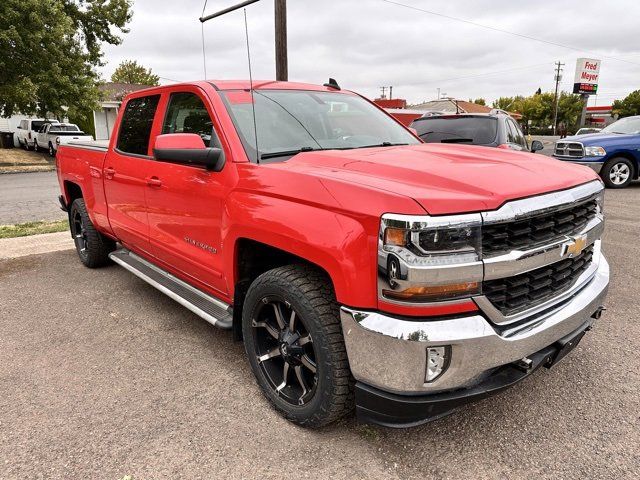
[466, 130]
[137, 121]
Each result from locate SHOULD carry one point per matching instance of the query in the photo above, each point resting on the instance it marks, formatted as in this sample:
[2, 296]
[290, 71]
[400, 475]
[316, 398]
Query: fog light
[437, 362]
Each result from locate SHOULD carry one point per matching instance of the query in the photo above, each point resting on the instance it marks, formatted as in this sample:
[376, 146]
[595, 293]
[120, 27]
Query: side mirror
[187, 149]
[536, 145]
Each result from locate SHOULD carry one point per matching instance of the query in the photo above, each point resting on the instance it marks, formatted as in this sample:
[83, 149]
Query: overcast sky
[365, 44]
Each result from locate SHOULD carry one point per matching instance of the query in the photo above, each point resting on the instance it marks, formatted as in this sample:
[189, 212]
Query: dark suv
[495, 129]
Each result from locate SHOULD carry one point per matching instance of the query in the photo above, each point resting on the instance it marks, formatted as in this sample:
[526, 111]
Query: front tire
[93, 248]
[294, 342]
[52, 152]
[617, 172]
[36, 147]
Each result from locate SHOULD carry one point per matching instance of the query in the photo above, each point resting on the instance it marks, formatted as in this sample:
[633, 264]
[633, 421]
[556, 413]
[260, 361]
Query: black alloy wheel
[293, 339]
[284, 350]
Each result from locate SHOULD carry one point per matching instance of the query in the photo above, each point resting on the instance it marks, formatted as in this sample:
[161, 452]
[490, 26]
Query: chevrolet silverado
[361, 267]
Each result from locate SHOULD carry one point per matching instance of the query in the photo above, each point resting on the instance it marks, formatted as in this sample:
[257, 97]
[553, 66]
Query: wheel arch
[252, 258]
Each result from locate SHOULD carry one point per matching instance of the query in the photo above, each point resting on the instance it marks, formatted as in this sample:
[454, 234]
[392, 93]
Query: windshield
[469, 130]
[290, 121]
[629, 125]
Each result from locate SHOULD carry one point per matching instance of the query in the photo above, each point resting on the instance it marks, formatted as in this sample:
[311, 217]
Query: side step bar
[211, 309]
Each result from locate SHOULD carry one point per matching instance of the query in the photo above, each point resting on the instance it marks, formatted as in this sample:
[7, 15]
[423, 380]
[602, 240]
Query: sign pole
[583, 115]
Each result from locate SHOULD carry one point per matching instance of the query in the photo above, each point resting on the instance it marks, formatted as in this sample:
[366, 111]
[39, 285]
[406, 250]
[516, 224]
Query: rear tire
[298, 355]
[93, 248]
[52, 152]
[617, 172]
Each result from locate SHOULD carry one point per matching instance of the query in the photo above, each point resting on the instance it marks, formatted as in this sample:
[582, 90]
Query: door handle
[109, 172]
[154, 182]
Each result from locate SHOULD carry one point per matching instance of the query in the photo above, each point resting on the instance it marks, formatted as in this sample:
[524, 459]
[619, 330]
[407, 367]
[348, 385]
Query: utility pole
[384, 90]
[280, 16]
[558, 78]
[282, 63]
[390, 92]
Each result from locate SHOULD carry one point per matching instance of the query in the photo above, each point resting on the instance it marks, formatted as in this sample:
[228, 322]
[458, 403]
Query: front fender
[343, 245]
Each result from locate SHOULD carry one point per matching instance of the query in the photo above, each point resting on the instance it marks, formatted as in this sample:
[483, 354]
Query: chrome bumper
[390, 353]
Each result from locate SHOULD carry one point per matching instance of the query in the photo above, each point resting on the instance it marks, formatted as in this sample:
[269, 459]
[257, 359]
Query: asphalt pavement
[29, 197]
[102, 376]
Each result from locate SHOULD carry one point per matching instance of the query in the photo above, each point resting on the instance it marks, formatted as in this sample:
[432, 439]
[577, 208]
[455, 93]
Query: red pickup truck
[361, 267]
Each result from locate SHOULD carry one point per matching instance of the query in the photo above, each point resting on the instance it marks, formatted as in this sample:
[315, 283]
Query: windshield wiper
[383, 144]
[456, 140]
[288, 153]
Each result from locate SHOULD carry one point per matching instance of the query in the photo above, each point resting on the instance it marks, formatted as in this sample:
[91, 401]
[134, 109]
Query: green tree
[49, 51]
[504, 103]
[628, 106]
[130, 71]
[480, 101]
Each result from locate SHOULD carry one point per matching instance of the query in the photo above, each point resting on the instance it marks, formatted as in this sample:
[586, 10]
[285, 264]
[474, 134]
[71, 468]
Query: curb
[35, 245]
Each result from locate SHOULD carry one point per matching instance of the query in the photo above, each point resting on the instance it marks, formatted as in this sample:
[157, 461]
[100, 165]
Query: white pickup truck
[51, 135]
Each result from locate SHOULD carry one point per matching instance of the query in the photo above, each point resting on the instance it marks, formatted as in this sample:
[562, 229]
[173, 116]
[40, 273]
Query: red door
[185, 203]
[125, 173]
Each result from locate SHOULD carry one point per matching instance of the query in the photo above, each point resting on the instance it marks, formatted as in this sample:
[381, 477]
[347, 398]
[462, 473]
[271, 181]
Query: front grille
[514, 294]
[536, 230]
[569, 149]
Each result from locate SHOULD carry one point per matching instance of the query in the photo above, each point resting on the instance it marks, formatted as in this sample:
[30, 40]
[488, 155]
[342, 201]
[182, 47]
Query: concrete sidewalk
[35, 245]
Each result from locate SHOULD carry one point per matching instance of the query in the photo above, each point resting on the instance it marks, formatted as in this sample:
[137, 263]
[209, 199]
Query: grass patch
[32, 228]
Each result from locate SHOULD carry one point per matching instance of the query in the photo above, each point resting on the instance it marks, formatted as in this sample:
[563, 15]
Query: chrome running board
[209, 308]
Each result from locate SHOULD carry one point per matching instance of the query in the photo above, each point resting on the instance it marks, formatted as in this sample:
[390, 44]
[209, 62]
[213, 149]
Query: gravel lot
[102, 376]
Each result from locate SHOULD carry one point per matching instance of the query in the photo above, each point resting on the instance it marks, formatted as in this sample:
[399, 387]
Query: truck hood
[600, 139]
[443, 178]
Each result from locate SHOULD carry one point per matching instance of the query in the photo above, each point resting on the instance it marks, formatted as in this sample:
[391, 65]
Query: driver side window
[187, 113]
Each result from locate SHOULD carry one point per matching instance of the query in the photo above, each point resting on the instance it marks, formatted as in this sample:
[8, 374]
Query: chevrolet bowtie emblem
[574, 247]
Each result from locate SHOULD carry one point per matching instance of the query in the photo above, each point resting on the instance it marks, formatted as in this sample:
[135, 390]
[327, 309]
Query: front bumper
[388, 354]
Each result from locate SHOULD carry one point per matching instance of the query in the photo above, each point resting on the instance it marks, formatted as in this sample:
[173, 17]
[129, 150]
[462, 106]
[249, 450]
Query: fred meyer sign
[587, 75]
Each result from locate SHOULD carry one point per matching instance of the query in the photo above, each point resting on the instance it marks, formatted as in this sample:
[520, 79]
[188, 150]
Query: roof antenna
[253, 103]
[204, 56]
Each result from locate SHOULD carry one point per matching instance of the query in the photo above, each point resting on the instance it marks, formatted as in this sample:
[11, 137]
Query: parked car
[359, 266]
[495, 129]
[51, 135]
[614, 152]
[27, 130]
[586, 130]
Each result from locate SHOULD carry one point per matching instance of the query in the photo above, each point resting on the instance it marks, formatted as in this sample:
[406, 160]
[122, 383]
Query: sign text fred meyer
[587, 75]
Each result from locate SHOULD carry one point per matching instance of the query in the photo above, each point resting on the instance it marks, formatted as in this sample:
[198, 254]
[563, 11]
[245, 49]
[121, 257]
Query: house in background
[112, 95]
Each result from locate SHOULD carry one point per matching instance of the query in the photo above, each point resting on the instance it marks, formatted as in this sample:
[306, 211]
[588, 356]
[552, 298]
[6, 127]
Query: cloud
[365, 44]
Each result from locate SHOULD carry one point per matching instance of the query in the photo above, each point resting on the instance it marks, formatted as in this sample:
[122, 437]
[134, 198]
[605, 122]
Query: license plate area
[564, 346]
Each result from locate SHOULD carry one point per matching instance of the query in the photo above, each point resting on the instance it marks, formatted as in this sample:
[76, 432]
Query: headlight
[594, 152]
[423, 259]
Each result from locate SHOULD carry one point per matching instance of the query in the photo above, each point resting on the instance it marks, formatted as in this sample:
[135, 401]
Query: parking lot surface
[102, 376]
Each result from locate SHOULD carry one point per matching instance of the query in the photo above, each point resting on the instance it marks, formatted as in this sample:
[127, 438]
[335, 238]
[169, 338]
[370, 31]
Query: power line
[496, 29]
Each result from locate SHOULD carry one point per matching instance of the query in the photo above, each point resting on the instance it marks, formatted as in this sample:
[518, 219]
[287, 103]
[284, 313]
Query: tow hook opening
[598, 313]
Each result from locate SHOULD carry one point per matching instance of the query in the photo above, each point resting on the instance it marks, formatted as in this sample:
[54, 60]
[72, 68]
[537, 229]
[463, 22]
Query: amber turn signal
[437, 291]
[395, 236]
